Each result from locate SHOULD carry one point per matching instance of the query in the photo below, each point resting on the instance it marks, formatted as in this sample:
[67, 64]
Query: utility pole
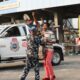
[56, 25]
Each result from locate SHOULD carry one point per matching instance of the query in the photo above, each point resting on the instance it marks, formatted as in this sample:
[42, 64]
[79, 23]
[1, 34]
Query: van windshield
[3, 29]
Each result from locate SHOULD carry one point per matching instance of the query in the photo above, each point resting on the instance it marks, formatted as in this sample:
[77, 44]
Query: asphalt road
[69, 69]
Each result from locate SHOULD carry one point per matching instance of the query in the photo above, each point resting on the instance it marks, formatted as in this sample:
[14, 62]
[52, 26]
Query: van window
[14, 31]
[22, 31]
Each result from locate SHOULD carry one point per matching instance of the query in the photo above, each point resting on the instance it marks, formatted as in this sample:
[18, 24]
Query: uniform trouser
[48, 65]
[32, 62]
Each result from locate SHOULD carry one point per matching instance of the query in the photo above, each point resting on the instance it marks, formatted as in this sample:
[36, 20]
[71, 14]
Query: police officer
[33, 45]
[32, 59]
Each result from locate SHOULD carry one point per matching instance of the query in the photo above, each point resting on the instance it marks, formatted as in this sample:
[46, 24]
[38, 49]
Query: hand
[42, 33]
[45, 39]
[33, 13]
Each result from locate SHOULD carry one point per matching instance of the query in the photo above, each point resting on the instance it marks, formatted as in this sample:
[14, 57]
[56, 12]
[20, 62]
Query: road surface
[69, 69]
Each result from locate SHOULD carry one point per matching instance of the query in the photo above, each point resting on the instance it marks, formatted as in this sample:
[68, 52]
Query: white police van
[13, 44]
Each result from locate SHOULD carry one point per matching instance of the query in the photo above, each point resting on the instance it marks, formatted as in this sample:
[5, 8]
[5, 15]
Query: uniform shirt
[33, 45]
[36, 43]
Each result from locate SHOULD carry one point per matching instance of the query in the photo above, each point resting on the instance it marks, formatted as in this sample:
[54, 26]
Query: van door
[14, 43]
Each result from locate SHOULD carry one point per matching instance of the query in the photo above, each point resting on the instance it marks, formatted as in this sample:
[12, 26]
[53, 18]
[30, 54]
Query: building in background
[57, 10]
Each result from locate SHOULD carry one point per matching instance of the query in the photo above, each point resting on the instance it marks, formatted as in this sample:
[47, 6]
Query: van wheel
[56, 57]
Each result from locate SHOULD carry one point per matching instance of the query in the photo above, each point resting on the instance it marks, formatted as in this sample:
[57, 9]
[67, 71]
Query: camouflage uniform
[33, 61]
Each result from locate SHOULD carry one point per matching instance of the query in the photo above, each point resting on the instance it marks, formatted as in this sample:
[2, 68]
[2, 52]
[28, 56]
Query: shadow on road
[14, 67]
